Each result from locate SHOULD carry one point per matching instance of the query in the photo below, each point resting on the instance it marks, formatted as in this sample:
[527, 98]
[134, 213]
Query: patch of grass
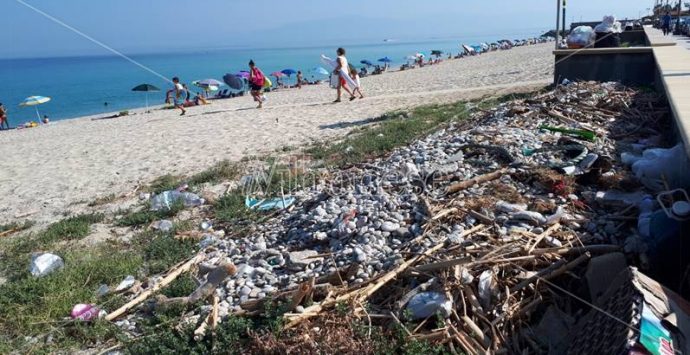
[76, 227]
[33, 305]
[165, 183]
[182, 286]
[230, 207]
[161, 251]
[392, 131]
[146, 216]
[102, 200]
[219, 172]
[230, 337]
[15, 226]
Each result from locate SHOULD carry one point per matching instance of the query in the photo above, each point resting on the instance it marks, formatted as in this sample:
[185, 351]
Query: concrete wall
[630, 66]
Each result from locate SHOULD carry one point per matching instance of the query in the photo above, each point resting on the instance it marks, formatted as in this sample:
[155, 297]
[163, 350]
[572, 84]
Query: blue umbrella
[385, 60]
[233, 81]
[288, 72]
[320, 70]
[366, 62]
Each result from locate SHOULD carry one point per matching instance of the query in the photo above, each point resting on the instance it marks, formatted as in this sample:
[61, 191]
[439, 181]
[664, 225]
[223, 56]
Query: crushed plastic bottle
[126, 284]
[86, 312]
[44, 264]
[166, 199]
[426, 304]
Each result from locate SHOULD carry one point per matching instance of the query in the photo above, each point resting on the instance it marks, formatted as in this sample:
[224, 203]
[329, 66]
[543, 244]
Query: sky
[147, 26]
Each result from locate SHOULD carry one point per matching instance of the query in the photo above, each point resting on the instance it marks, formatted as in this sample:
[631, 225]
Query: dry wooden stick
[304, 289]
[214, 313]
[478, 333]
[170, 277]
[594, 249]
[436, 335]
[474, 181]
[442, 264]
[8, 232]
[542, 236]
[553, 273]
[444, 213]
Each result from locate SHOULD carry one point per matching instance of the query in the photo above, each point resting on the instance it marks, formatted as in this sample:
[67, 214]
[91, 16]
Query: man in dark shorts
[256, 83]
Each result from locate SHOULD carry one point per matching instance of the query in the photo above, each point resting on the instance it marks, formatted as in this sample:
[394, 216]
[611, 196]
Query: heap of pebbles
[368, 214]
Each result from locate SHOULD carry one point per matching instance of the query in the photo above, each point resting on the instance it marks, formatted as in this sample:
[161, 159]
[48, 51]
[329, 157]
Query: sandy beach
[56, 169]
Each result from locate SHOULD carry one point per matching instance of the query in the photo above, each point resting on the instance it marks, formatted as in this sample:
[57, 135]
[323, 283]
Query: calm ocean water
[80, 86]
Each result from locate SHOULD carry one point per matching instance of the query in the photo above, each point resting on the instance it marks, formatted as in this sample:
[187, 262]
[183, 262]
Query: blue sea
[81, 86]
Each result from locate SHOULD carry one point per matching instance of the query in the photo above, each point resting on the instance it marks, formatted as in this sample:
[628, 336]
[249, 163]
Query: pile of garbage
[495, 225]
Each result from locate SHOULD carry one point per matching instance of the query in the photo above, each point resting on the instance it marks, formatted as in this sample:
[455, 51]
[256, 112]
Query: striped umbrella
[35, 101]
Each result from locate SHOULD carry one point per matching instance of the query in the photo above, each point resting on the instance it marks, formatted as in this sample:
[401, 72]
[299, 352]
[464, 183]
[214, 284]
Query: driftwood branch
[474, 181]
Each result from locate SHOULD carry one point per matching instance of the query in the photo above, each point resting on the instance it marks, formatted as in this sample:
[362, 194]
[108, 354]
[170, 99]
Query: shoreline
[71, 163]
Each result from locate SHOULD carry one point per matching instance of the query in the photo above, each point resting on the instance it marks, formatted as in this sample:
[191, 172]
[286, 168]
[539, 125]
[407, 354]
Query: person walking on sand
[256, 82]
[342, 70]
[300, 78]
[3, 118]
[355, 77]
[179, 95]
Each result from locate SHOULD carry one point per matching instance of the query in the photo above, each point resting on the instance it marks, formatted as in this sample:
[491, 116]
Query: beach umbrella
[242, 74]
[385, 60]
[436, 52]
[366, 62]
[320, 71]
[146, 88]
[288, 72]
[233, 81]
[35, 101]
[277, 74]
[209, 82]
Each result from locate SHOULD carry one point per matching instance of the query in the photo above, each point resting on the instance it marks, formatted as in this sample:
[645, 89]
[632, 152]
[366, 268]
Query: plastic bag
[426, 304]
[44, 264]
[609, 25]
[334, 81]
[581, 36]
[672, 164]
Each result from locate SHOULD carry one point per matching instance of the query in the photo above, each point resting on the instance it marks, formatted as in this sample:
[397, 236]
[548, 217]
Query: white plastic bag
[426, 304]
[44, 264]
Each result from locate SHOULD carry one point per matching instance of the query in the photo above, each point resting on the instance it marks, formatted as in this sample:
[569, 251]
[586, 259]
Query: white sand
[47, 171]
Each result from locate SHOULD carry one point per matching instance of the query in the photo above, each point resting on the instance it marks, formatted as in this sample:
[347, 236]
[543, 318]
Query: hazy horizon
[167, 26]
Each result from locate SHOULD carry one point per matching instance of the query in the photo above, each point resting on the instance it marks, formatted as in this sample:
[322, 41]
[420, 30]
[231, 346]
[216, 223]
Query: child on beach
[355, 77]
[179, 95]
[341, 70]
[3, 117]
[256, 82]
